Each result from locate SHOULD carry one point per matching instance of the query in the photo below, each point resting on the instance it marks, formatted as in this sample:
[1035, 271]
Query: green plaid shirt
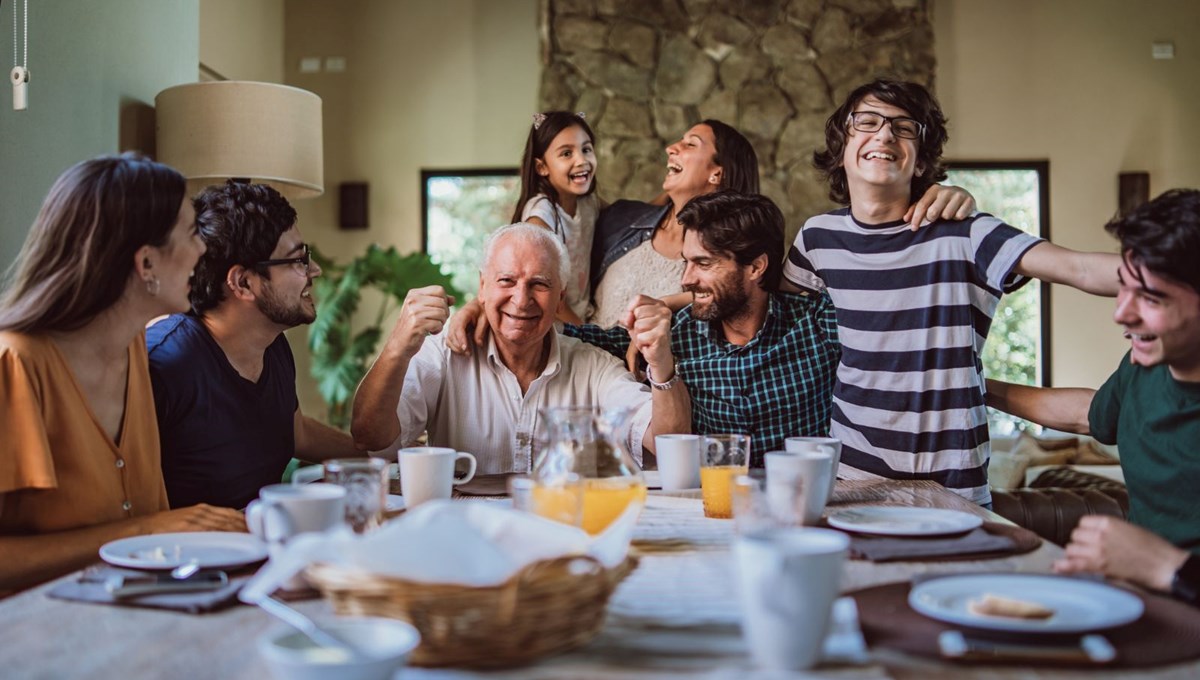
[778, 385]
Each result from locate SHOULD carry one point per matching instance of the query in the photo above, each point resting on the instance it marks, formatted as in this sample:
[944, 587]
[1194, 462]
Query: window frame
[1042, 168]
[428, 174]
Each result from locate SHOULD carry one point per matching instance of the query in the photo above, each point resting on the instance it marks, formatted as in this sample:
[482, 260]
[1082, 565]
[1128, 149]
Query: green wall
[95, 66]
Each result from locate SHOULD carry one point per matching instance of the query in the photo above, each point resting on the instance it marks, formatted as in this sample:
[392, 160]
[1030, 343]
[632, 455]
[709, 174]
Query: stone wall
[645, 70]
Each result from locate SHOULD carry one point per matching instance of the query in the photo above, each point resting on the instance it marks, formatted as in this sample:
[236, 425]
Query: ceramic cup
[798, 484]
[284, 511]
[787, 581]
[802, 444]
[678, 461]
[427, 473]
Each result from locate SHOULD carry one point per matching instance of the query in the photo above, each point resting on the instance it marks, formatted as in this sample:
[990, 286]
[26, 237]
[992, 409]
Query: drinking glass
[365, 482]
[723, 457]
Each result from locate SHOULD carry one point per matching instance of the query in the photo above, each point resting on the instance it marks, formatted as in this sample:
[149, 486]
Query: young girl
[558, 185]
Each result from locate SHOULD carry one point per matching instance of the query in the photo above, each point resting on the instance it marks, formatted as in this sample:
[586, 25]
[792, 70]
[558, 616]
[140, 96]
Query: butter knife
[1095, 649]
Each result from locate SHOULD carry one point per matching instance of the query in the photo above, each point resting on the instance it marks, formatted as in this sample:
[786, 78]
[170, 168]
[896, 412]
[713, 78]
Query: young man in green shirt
[1150, 407]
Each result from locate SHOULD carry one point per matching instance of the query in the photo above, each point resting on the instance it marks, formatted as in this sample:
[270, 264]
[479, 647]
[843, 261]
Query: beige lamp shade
[262, 132]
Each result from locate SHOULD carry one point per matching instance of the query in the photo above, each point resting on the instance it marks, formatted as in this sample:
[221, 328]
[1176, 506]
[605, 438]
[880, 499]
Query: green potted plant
[341, 353]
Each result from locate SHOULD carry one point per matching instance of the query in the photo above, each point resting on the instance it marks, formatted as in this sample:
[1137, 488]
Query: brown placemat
[1168, 632]
[485, 485]
[990, 541]
[480, 485]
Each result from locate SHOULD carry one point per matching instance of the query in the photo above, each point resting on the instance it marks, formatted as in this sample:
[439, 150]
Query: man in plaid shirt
[755, 361]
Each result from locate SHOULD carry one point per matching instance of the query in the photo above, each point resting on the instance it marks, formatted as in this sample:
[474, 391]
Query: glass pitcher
[586, 475]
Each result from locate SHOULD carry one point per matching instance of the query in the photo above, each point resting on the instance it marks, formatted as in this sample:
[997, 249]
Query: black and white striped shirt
[913, 311]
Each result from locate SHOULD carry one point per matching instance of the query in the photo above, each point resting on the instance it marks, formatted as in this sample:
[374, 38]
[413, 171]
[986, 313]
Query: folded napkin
[990, 540]
[91, 587]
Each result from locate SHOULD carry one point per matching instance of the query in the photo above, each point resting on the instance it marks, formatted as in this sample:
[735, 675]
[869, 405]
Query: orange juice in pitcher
[586, 475]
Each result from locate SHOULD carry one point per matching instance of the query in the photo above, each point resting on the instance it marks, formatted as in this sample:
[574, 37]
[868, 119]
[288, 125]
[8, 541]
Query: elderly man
[487, 401]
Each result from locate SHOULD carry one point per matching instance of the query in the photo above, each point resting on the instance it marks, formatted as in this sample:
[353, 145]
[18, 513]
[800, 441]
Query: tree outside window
[1017, 347]
[460, 208]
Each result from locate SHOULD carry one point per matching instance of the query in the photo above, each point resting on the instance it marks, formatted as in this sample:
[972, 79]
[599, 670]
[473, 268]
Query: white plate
[211, 549]
[394, 502]
[900, 521]
[1078, 605]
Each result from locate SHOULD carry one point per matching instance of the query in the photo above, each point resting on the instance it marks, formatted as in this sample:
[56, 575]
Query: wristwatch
[1186, 584]
[662, 385]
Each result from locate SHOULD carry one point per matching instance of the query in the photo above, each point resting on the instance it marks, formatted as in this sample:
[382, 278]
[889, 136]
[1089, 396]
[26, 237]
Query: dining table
[676, 615]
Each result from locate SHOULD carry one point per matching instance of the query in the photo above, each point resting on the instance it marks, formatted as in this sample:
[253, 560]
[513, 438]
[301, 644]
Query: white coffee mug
[427, 473]
[678, 458]
[802, 444]
[787, 582]
[283, 511]
[798, 484]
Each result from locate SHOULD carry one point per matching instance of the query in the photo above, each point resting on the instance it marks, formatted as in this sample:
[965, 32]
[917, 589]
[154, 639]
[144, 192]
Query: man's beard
[288, 316]
[727, 302]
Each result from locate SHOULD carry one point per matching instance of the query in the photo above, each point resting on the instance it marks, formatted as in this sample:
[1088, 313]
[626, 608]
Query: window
[459, 209]
[1018, 345]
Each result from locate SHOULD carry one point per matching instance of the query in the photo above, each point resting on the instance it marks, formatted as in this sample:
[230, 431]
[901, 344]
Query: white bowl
[385, 644]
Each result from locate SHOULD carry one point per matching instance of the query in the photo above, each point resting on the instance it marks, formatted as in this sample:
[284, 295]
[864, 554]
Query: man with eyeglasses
[223, 374]
[914, 307]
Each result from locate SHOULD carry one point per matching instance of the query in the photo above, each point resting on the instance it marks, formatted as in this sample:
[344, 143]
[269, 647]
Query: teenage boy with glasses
[223, 374]
[913, 307]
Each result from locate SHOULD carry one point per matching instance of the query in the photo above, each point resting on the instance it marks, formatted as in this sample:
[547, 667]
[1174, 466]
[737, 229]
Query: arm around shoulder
[1061, 408]
[1094, 273]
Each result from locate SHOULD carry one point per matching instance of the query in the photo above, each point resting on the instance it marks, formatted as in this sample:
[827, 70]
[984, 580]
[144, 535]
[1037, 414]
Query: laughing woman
[112, 248]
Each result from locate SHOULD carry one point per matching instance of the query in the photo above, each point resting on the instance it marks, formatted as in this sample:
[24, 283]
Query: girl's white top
[576, 233]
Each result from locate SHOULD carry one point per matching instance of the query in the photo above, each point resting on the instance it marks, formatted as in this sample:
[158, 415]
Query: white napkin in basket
[473, 544]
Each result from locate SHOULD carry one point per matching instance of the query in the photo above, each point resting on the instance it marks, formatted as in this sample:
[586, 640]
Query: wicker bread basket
[549, 606]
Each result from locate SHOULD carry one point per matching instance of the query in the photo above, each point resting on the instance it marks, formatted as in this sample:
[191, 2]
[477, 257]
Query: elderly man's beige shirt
[474, 403]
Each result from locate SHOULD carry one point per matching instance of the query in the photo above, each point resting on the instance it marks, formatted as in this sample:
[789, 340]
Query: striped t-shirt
[913, 311]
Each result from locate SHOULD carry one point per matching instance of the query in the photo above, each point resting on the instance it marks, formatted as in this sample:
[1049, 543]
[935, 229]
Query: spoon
[311, 630]
[186, 570]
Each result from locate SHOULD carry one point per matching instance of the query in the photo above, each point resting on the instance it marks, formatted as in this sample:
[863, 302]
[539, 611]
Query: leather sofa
[1054, 503]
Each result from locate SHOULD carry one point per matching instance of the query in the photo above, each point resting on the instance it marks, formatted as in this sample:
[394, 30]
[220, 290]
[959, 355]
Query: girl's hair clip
[538, 119]
[581, 114]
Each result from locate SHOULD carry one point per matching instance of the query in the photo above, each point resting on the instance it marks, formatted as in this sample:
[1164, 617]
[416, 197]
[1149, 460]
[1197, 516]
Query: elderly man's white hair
[541, 237]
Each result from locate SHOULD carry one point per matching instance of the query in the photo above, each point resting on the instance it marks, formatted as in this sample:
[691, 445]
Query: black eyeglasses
[869, 121]
[304, 259]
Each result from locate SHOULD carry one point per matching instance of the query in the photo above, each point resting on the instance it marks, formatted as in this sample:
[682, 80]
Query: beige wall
[243, 39]
[1073, 81]
[446, 84]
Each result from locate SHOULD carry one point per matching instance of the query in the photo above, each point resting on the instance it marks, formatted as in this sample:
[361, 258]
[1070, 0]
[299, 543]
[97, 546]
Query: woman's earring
[152, 285]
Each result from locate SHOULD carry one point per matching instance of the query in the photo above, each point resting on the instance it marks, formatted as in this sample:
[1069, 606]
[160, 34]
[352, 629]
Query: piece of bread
[995, 605]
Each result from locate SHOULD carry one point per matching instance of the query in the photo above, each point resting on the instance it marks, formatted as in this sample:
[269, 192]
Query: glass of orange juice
[723, 457]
